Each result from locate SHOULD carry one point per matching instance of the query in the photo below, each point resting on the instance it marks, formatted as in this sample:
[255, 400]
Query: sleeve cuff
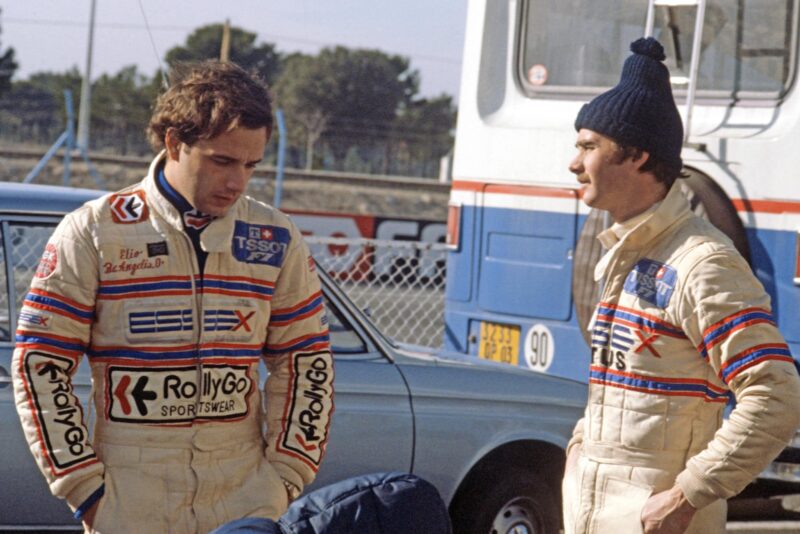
[697, 493]
[288, 474]
[89, 502]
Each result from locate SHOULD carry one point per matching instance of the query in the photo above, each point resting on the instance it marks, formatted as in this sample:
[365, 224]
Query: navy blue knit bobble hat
[640, 111]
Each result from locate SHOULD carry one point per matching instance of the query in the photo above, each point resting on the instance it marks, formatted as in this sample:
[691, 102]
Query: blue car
[490, 437]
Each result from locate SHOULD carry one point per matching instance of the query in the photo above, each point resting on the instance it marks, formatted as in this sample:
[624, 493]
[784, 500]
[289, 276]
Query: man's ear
[172, 144]
[643, 158]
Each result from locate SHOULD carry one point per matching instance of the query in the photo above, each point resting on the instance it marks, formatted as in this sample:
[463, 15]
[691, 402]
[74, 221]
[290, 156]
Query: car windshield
[746, 46]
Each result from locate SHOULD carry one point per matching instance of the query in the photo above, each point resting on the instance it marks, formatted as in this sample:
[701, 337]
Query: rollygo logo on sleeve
[309, 413]
[58, 414]
[652, 281]
[260, 244]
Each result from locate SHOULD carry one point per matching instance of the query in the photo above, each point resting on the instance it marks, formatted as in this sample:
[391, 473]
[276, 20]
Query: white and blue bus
[519, 275]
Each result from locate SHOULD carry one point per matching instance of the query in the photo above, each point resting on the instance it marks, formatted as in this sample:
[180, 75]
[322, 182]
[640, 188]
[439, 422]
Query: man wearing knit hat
[682, 326]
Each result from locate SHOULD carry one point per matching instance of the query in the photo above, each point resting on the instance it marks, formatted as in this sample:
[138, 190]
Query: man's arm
[574, 446]
[727, 316]
[299, 390]
[52, 334]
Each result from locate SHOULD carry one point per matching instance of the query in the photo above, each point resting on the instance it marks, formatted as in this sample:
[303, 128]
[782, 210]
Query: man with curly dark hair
[176, 288]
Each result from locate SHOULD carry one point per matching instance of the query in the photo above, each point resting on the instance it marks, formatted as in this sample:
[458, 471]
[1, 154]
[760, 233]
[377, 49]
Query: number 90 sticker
[539, 348]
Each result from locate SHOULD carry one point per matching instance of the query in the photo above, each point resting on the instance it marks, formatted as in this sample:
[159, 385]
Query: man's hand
[667, 512]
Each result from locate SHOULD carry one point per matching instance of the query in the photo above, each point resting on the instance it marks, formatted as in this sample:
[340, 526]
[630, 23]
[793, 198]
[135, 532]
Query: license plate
[499, 343]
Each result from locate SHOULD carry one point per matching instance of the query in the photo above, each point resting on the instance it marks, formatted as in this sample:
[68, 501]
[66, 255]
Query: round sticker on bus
[537, 74]
[539, 348]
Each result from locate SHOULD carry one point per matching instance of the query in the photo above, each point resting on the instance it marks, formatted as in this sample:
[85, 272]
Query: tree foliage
[344, 96]
[121, 108]
[7, 67]
[424, 131]
[35, 108]
[345, 109]
[205, 43]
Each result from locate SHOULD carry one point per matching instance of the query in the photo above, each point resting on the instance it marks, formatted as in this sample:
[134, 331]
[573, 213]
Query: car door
[372, 426]
[26, 499]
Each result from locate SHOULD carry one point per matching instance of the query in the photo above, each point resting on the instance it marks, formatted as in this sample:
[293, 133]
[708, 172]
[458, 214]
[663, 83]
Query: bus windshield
[746, 46]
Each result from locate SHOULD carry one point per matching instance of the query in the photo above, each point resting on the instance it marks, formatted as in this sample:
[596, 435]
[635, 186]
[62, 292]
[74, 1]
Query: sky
[52, 35]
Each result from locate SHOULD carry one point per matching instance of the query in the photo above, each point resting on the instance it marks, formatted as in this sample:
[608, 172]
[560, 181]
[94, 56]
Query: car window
[344, 339]
[25, 242]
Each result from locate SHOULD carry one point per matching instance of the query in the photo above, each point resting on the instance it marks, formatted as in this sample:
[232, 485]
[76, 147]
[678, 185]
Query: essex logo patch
[224, 320]
[128, 208]
[158, 321]
[260, 244]
[35, 318]
[651, 281]
[173, 324]
[177, 394]
[309, 413]
[57, 413]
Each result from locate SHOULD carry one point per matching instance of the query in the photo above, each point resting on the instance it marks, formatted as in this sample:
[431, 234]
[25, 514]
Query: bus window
[746, 47]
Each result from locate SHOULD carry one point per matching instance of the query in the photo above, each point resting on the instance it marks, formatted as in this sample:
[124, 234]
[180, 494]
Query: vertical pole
[70, 144]
[281, 157]
[651, 17]
[695, 67]
[225, 47]
[86, 88]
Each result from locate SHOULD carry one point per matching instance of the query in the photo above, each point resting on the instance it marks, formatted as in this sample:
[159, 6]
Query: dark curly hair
[664, 172]
[207, 99]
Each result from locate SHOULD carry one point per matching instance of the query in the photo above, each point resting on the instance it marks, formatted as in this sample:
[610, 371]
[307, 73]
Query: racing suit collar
[636, 233]
[216, 237]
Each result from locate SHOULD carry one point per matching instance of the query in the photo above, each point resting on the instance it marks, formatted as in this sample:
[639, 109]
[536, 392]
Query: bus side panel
[526, 263]
[460, 277]
[773, 254]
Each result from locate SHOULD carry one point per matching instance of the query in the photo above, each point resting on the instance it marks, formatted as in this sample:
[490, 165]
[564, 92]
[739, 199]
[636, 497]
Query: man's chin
[217, 210]
[587, 197]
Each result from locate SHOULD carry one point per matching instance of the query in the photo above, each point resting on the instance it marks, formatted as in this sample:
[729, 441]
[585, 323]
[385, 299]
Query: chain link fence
[398, 284]
[27, 242]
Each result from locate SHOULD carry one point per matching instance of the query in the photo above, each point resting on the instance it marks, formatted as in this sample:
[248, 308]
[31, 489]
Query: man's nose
[576, 165]
[237, 178]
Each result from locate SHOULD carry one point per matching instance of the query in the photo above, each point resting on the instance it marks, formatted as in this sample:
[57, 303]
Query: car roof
[35, 198]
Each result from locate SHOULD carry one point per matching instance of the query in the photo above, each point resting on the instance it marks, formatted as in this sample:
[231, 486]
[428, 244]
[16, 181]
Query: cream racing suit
[682, 325]
[177, 443]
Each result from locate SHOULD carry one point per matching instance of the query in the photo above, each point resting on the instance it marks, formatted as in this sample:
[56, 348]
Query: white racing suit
[681, 326]
[177, 444]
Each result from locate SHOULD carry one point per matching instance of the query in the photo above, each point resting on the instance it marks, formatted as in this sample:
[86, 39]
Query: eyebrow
[232, 158]
[585, 144]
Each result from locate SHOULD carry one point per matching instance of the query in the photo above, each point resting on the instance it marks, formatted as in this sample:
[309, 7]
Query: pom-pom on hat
[640, 111]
